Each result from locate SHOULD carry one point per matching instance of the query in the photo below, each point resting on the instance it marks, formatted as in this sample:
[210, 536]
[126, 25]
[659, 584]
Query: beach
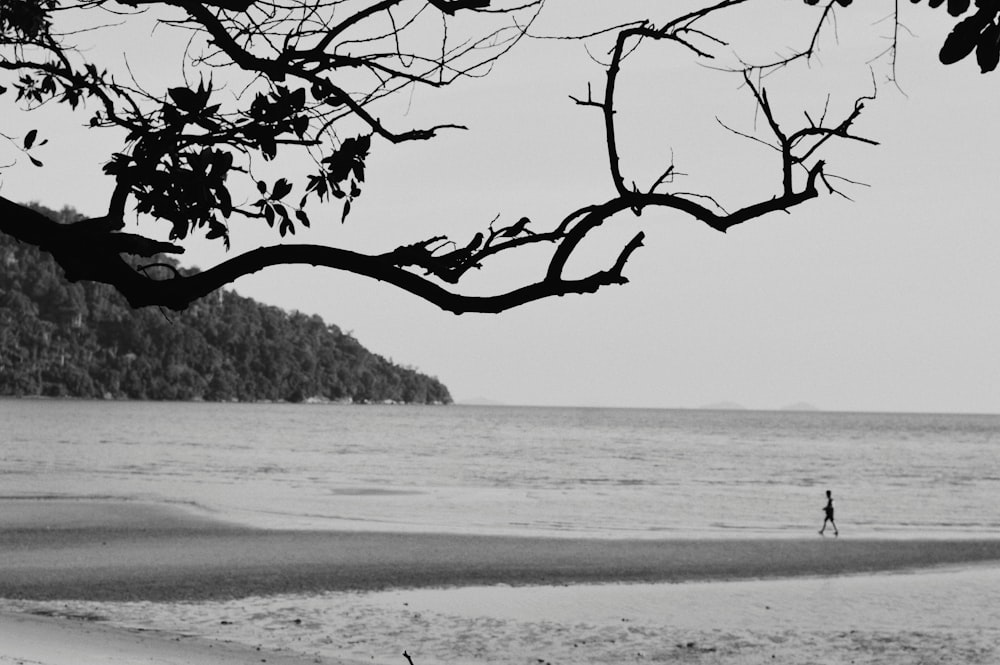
[112, 580]
[112, 551]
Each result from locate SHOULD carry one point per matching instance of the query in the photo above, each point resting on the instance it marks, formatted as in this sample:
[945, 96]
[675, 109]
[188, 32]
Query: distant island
[59, 339]
[723, 406]
[733, 406]
[800, 406]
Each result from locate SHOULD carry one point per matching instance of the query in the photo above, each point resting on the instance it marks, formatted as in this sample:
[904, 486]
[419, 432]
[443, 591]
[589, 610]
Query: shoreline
[45, 640]
[944, 614]
[125, 551]
[88, 582]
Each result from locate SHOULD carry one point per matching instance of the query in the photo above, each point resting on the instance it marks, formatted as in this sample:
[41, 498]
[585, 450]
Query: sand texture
[87, 582]
[39, 640]
[106, 551]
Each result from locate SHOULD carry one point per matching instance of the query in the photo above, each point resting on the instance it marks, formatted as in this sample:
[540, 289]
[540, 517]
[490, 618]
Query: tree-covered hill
[83, 340]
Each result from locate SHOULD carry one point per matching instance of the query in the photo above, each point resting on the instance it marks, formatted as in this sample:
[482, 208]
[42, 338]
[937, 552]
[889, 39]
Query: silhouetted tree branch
[313, 73]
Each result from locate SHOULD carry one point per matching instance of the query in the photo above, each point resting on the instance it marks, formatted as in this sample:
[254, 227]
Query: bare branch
[309, 75]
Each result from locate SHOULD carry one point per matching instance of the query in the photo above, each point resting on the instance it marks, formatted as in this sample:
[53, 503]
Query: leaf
[321, 189]
[215, 230]
[29, 139]
[203, 93]
[320, 89]
[281, 189]
[960, 41]
[185, 99]
[225, 201]
[302, 217]
[347, 209]
[222, 162]
[35, 161]
[988, 49]
[269, 215]
[262, 187]
[268, 147]
[958, 7]
[300, 124]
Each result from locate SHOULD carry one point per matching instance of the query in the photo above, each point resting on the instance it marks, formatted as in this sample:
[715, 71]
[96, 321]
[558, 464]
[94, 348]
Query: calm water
[597, 472]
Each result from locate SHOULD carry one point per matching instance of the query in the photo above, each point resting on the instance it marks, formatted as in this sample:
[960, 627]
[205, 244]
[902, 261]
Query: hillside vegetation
[81, 340]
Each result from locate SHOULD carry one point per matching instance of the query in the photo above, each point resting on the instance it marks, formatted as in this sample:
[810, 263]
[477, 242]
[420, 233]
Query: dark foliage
[83, 340]
[979, 31]
[275, 109]
[300, 83]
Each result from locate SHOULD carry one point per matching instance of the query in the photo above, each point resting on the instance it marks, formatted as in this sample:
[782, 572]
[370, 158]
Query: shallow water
[596, 472]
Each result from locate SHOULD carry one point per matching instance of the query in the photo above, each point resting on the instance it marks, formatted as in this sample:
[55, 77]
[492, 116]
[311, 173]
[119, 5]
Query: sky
[886, 302]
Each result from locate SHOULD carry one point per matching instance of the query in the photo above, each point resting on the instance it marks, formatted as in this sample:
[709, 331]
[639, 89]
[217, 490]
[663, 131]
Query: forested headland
[62, 339]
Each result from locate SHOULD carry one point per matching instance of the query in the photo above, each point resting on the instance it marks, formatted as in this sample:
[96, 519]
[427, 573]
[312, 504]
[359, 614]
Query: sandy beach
[111, 551]
[27, 639]
[122, 580]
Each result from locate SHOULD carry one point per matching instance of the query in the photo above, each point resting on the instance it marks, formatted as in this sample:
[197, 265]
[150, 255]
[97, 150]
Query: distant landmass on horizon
[62, 339]
[723, 406]
[735, 406]
[800, 406]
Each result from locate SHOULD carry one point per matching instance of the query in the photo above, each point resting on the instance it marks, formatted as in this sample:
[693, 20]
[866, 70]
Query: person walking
[828, 515]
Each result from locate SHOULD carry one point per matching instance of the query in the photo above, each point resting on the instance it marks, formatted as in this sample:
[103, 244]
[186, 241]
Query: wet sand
[38, 640]
[96, 550]
[297, 597]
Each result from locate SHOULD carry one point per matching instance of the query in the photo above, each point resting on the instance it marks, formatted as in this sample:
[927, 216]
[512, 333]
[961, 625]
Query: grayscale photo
[499, 332]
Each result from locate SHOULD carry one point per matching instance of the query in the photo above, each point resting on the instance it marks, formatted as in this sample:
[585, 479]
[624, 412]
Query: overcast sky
[887, 302]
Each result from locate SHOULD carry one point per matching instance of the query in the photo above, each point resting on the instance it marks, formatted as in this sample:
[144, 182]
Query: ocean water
[520, 470]
[591, 472]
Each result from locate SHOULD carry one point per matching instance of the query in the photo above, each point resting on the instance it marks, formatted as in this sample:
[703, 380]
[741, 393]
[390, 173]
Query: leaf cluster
[978, 32]
[187, 188]
[306, 74]
[272, 208]
[180, 162]
[343, 172]
[309, 66]
[25, 20]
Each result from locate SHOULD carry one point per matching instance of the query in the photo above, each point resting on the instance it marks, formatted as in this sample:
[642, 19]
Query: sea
[592, 472]
[602, 473]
